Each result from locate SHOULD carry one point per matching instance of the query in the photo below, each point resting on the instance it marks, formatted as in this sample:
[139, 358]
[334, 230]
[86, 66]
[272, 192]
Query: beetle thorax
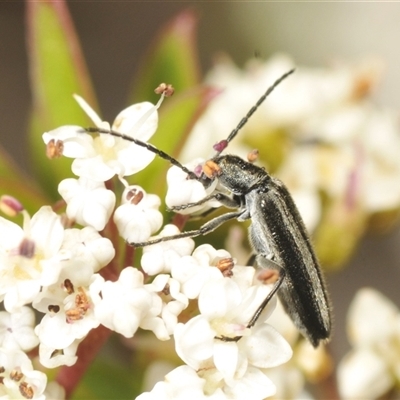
[237, 175]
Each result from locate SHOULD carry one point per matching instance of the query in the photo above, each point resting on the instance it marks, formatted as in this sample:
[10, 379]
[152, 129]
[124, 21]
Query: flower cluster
[68, 269]
[320, 133]
[371, 368]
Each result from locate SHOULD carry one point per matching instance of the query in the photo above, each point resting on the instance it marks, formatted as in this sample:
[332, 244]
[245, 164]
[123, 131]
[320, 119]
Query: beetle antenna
[219, 147]
[147, 146]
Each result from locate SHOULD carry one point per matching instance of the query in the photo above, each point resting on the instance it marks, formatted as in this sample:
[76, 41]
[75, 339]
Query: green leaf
[177, 118]
[172, 58]
[15, 183]
[106, 380]
[57, 70]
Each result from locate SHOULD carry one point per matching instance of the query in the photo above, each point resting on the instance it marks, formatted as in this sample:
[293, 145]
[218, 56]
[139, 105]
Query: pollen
[211, 169]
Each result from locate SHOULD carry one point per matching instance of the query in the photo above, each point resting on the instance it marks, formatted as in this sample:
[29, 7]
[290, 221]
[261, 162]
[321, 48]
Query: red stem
[69, 377]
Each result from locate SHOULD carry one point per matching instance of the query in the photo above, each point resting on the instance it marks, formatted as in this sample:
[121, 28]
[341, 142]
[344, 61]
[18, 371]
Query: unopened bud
[10, 205]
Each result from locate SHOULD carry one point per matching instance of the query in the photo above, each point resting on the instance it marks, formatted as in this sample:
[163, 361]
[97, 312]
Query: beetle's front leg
[227, 201]
[203, 230]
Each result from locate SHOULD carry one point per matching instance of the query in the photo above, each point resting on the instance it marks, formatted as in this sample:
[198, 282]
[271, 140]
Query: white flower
[126, 305]
[184, 191]
[226, 309]
[51, 357]
[180, 384]
[381, 161]
[160, 257]
[54, 391]
[104, 156]
[89, 252]
[183, 383]
[30, 258]
[19, 379]
[89, 203]
[69, 312]
[138, 216]
[372, 368]
[16, 330]
[173, 301]
[194, 271]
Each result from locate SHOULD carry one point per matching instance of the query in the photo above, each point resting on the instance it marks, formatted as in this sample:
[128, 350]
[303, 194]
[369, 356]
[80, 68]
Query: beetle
[277, 232]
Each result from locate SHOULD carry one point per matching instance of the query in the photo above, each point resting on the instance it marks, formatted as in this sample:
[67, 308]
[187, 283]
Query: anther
[54, 149]
[252, 156]
[134, 196]
[26, 248]
[69, 287]
[225, 265]
[165, 88]
[220, 146]
[211, 169]
[267, 276]
[26, 390]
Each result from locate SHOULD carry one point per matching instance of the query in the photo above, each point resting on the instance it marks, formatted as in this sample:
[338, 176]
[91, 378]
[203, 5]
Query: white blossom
[51, 357]
[138, 217]
[100, 158]
[19, 379]
[180, 384]
[126, 305]
[69, 312]
[372, 367]
[184, 191]
[89, 203]
[30, 258]
[225, 312]
[173, 301]
[160, 257]
[54, 391]
[89, 252]
[194, 271]
[16, 330]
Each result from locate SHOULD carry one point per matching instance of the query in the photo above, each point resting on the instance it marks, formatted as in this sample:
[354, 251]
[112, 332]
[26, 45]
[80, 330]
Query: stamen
[134, 196]
[16, 375]
[252, 156]
[26, 248]
[26, 390]
[220, 146]
[267, 276]
[225, 265]
[54, 149]
[69, 287]
[165, 88]
[211, 169]
[53, 309]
